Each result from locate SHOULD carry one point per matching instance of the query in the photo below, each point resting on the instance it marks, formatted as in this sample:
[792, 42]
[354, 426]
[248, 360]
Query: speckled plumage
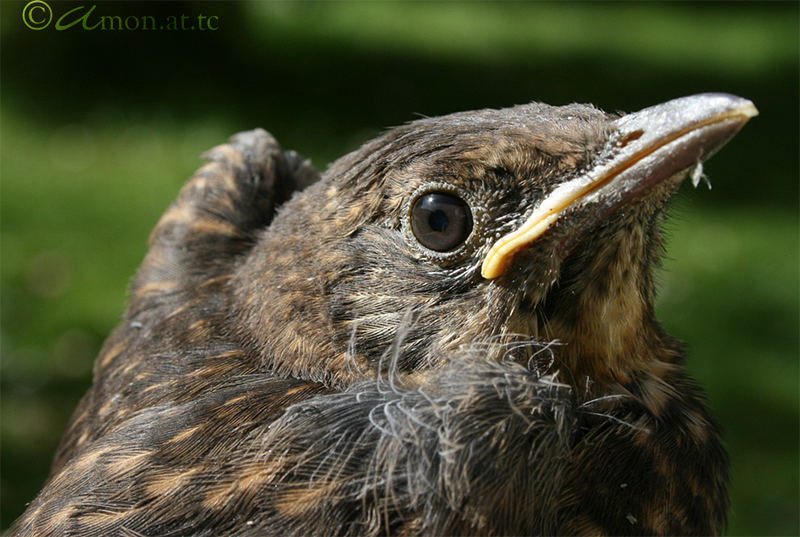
[293, 363]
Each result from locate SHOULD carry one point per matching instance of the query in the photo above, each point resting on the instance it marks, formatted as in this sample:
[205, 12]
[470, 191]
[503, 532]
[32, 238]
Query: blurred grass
[99, 131]
[483, 33]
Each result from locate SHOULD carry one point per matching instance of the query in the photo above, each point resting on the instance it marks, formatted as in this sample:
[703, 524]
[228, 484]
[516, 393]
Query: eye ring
[441, 221]
[477, 216]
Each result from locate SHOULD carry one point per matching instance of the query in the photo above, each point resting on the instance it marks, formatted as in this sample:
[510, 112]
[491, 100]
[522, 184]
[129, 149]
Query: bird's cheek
[532, 271]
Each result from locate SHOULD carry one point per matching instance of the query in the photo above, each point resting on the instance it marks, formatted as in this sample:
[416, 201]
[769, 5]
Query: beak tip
[749, 110]
[733, 106]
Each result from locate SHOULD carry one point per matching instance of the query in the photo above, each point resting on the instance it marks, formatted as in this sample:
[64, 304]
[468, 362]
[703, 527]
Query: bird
[450, 331]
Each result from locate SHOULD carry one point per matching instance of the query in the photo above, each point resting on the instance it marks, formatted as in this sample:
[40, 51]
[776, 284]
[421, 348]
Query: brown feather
[293, 362]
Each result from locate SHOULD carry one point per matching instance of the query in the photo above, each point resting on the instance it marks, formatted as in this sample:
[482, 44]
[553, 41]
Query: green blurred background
[100, 129]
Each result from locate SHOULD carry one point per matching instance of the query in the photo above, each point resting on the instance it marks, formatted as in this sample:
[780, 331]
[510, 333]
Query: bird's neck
[616, 347]
[611, 340]
[602, 315]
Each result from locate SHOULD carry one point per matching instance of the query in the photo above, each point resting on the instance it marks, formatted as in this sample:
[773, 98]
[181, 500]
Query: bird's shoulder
[172, 344]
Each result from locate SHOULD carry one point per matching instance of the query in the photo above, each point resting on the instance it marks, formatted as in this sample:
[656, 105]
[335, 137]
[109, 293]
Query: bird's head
[534, 223]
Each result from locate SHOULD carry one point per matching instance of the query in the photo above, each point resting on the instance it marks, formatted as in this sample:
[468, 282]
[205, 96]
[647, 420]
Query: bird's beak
[649, 146]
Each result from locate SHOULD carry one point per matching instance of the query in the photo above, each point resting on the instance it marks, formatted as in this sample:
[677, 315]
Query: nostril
[628, 138]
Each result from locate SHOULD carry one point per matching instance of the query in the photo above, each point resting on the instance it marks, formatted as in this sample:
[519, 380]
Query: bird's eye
[441, 222]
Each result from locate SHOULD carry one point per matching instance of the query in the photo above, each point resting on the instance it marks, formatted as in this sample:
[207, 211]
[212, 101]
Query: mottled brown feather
[293, 363]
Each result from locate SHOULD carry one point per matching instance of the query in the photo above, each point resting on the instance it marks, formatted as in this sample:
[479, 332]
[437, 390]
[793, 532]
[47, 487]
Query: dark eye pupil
[441, 221]
[438, 220]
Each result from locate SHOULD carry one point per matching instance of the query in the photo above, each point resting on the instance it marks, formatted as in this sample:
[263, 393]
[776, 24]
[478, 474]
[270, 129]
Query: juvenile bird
[450, 332]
